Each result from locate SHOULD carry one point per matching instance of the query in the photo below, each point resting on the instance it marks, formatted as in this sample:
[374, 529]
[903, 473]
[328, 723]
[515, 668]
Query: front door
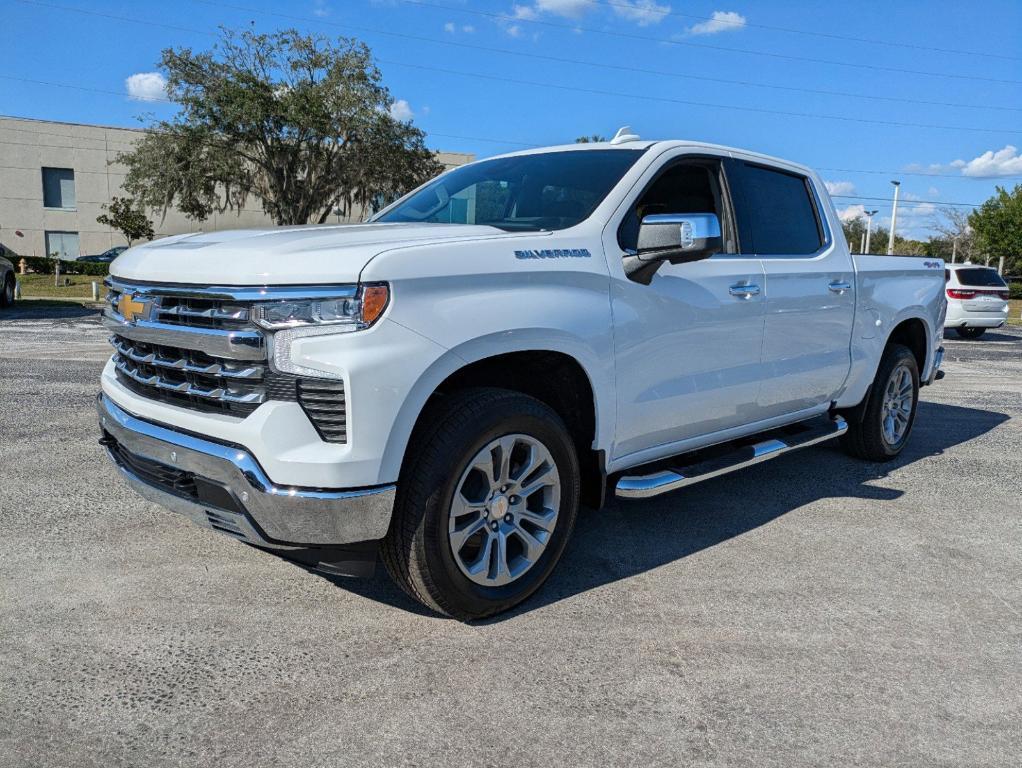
[688, 345]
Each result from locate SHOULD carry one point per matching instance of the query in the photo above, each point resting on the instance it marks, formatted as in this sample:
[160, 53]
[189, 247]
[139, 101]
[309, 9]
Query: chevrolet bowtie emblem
[130, 309]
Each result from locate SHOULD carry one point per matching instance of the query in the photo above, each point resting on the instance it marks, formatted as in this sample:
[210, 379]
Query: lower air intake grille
[323, 402]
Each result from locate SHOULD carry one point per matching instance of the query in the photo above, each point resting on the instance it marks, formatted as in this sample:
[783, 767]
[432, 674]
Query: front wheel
[486, 503]
[970, 333]
[878, 429]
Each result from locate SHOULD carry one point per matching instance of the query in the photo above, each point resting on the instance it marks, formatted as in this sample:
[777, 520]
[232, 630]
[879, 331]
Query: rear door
[809, 287]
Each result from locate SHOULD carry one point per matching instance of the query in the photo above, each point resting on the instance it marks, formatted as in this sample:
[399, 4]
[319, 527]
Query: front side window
[777, 210]
[545, 191]
[690, 186]
[59, 188]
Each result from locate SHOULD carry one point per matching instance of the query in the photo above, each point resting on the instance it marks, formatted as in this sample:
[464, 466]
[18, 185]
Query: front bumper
[222, 486]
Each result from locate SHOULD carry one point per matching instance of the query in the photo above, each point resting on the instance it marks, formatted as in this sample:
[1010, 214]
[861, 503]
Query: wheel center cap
[498, 507]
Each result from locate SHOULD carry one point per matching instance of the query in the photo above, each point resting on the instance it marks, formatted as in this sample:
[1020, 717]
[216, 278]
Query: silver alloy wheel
[504, 510]
[898, 402]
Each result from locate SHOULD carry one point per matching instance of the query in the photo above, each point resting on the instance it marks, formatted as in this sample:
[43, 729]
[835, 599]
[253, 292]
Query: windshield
[549, 190]
[980, 276]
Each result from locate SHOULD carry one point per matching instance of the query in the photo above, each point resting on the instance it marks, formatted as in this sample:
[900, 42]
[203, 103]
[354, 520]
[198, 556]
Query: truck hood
[283, 256]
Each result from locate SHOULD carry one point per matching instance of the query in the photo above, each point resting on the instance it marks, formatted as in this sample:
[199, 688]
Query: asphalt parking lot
[814, 610]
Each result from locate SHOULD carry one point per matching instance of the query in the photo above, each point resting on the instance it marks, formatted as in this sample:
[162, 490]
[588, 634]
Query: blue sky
[481, 75]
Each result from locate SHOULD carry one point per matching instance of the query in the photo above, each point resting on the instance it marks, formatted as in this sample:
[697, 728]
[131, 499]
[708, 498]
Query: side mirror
[674, 237]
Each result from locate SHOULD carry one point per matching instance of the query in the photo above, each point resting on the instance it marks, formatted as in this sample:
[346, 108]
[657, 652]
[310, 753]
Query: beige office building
[54, 178]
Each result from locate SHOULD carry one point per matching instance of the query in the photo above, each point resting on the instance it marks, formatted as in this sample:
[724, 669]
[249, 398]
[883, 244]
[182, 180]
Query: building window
[59, 188]
[64, 244]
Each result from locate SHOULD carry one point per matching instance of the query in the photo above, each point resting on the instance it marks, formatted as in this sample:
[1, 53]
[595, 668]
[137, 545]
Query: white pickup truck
[444, 385]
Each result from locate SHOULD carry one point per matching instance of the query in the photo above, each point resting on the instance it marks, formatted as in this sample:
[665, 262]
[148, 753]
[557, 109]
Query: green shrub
[46, 267]
[1015, 289]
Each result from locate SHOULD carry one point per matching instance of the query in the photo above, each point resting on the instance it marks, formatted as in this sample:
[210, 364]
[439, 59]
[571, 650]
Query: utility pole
[869, 228]
[862, 243]
[894, 218]
[954, 250]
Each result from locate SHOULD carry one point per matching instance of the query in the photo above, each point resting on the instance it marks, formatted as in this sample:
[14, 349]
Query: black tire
[970, 333]
[417, 550]
[7, 291]
[865, 438]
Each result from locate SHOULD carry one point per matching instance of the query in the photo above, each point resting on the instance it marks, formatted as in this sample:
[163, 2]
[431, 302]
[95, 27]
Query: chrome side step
[776, 443]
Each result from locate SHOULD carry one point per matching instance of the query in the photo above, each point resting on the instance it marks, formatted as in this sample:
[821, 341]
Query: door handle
[839, 286]
[744, 291]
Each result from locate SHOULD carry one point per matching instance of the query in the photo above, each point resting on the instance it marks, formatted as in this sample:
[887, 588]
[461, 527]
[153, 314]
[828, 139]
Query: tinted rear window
[981, 276]
[778, 213]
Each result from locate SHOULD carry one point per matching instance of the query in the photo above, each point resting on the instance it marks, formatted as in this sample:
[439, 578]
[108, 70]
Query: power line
[602, 65]
[909, 202]
[535, 56]
[599, 92]
[828, 35]
[693, 103]
[706, 46]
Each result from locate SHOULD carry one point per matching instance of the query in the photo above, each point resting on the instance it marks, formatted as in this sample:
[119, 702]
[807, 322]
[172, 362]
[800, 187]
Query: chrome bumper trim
[274, 516]
[215, 342]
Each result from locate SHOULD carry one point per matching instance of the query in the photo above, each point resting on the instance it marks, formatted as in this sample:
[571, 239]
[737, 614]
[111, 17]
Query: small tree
[998, 227]
[594, 139]
[300, 122]
[128, 219]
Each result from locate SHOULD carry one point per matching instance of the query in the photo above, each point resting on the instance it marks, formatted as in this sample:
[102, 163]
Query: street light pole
[894, 218]
[869, 227]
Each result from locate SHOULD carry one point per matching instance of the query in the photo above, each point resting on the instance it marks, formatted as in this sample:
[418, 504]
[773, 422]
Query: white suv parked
[977, 299]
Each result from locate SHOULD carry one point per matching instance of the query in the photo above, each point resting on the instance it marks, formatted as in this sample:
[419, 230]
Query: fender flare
[600, 374]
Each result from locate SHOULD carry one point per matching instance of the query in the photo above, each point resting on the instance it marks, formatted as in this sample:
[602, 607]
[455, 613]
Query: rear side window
[980, 276]
[778, 212]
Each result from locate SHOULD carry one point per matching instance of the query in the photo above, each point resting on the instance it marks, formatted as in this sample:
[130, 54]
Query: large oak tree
[300, 122]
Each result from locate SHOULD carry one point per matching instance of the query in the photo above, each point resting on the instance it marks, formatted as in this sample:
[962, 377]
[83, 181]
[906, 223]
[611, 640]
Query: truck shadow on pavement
[48, 310]
[629, 538]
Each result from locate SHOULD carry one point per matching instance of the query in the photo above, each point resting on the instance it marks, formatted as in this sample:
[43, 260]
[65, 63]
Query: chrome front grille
[190, 377]
[198, 348]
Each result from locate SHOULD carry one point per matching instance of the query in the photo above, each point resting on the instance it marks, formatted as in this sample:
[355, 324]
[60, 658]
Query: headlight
[351, 310]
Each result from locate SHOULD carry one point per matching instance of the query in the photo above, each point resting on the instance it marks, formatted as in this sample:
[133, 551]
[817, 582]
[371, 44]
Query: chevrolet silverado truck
[442, 386]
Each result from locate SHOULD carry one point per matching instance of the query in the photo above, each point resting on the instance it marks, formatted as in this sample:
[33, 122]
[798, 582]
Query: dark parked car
[6, 282]
[106, 257]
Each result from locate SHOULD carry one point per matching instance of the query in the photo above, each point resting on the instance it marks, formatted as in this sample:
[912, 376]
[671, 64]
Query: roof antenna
[624, 135]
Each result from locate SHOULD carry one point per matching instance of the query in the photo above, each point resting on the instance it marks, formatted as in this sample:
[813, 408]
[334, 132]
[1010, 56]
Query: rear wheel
[486, 503]
[970, 333]
[7, 292]
[878, 429]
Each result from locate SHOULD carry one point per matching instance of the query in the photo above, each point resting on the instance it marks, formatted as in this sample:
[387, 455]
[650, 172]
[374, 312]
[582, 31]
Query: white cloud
[514, 30]
[146, 86]
[320, 8]
[449, 27]
[991, 164]
[933, 192]
[468, 29]
[721, 21]
[401, 111]
[851, 212]
[570, 8]
[642, 12]
[840, 187]
[524, 12]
